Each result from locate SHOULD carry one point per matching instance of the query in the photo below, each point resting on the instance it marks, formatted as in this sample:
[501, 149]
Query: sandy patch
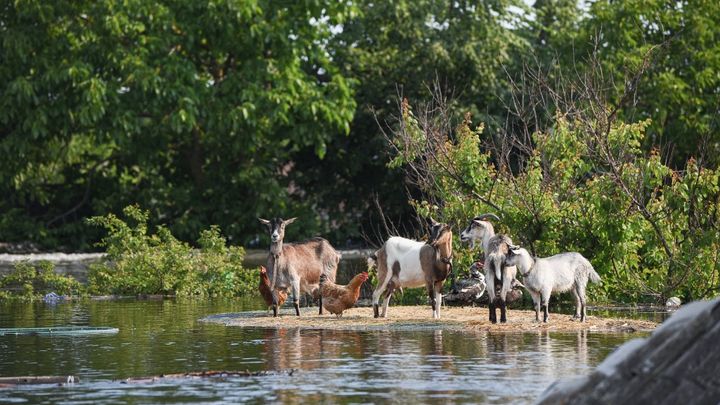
[420, 317]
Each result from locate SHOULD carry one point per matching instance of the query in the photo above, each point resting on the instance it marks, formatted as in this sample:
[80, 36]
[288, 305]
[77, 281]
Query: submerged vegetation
[140, 262]
[32, 281]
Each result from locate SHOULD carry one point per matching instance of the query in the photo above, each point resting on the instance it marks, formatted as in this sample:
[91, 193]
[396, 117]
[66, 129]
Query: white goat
[495, 248]
[554, 274]
[406, 263]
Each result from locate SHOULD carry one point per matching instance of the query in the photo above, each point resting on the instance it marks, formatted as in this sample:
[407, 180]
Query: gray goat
[495, 248]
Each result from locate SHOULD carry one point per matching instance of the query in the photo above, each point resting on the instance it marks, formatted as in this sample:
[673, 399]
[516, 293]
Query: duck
[468, 290]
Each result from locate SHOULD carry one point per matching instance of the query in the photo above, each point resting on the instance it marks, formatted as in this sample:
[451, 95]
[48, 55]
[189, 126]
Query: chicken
[337, 298]
[265, 291]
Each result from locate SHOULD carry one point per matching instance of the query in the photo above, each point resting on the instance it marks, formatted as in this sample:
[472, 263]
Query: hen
[337, 298]
[265, 291]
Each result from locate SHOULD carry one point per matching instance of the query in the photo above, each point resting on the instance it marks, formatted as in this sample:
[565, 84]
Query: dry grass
[420, 317]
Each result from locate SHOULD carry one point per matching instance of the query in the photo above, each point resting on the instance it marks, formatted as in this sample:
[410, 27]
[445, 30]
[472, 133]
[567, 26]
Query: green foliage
[679, 89]
[165, 104]
[143, 263]
[218, 112]
[650, 232]
[391, 47]
[32, 281]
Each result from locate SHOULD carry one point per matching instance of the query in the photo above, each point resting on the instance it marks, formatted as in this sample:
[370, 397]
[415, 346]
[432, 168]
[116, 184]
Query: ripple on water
[161, 337]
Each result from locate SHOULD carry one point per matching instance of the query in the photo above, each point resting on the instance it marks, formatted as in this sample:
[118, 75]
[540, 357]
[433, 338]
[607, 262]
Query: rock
[678, 363]
[673, 303]
[52, 298]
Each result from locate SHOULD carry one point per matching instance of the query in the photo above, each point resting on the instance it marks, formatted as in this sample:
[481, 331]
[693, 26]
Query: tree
[405, 47]
[190, 109]
[679, 92]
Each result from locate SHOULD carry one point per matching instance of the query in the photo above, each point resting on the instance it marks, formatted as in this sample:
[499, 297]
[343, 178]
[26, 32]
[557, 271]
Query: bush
[143, 263]
[650, 231]
[31, 282]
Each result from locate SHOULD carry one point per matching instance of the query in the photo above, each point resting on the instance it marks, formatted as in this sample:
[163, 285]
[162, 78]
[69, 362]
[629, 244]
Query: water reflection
[159, 337]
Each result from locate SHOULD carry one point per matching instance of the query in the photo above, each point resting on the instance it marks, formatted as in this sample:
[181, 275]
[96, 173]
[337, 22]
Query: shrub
[650, 231]
[32, 281]
[143, 263]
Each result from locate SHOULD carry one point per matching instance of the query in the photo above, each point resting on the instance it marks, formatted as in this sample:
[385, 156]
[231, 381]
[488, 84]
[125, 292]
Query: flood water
[165, 336]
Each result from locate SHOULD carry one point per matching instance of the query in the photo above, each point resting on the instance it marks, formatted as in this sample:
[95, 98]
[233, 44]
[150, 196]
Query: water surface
[165, 336]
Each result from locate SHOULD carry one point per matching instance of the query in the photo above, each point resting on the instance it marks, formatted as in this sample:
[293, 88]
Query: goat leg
[431, 293]
[296, 295]
[493, 314]
[320, 303]
[503, 305]
[545, 302]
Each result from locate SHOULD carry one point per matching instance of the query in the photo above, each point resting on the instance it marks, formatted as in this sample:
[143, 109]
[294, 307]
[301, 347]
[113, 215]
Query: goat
[298, 265]
[495, 248]
[479, 230]
[554, 274]
[408, 263]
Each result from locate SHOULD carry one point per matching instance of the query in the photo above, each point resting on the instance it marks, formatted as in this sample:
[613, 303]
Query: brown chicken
[337, 298]
[265, 291]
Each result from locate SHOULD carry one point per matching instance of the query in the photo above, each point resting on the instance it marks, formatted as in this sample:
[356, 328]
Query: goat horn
[487, 215]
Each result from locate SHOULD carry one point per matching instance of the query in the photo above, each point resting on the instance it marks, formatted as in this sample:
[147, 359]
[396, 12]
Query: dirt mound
[420, 317]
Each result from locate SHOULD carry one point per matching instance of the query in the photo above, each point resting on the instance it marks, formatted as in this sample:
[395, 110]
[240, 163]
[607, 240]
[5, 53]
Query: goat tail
[593, 276]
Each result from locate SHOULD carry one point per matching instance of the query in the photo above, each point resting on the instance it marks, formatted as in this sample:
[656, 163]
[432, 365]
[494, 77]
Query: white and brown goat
[407, 263]
[298, 266]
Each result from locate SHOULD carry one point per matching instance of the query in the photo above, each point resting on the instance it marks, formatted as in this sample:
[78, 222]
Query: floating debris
[9, 382]
[207, 374]
[60, 331]
[53, 299]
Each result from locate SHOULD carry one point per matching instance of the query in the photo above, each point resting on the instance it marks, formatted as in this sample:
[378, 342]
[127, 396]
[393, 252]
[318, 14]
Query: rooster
[338, 298]
[266, 292]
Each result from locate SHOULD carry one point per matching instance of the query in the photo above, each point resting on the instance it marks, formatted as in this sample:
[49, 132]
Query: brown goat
[298, 265]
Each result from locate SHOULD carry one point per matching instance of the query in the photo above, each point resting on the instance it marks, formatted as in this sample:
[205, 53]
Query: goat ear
[264, 221]
[289, 221]
[432, 221]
